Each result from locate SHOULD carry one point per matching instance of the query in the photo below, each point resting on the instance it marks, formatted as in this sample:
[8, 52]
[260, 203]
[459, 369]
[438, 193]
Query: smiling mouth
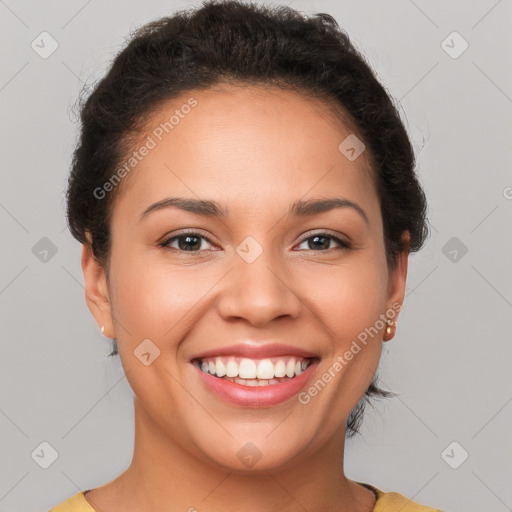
[254, 372]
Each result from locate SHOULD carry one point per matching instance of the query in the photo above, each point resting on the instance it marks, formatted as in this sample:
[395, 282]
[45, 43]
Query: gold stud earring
[390, 330]
[102, 330]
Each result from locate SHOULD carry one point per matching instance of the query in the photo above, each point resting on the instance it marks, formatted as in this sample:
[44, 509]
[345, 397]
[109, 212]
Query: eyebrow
[208, 208]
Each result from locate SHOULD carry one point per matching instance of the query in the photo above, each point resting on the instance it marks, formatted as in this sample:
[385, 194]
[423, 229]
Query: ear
[96, 289]
[397, 278]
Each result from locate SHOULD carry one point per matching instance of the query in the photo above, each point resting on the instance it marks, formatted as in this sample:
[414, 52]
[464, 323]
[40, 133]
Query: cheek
[361, 301]
[354, 316]
[351, 304]
[153, 302]
[349, 298]
[151, 299]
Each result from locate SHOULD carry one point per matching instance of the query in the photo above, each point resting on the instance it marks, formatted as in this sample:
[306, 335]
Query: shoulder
[394, 502]
[77, 503]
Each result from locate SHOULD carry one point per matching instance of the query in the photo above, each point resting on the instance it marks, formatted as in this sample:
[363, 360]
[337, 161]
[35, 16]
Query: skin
[255, 150]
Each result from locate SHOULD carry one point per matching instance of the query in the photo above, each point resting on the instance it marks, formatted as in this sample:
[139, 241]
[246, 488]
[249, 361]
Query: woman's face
[261, 279]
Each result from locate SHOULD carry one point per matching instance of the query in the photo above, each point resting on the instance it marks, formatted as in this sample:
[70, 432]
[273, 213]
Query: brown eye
[321, 242]
[186, 242]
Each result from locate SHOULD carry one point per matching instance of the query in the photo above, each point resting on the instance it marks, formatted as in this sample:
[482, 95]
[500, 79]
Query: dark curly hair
[242, 43]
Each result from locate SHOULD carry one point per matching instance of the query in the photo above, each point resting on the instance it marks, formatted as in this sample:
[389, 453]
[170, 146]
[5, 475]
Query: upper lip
[255, 351]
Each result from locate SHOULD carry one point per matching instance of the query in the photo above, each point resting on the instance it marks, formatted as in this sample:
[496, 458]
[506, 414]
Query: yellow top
[386, 502]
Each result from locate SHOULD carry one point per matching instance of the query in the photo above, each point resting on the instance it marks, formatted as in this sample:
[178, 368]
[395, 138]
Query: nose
[259, 292]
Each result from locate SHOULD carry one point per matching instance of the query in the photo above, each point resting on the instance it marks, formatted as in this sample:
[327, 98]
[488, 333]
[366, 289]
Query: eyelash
[344, 245]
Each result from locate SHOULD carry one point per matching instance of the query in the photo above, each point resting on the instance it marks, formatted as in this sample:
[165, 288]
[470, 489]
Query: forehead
[249, 145]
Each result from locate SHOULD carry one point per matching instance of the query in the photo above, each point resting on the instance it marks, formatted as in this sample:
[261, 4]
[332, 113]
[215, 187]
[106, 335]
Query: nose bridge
[258, 287]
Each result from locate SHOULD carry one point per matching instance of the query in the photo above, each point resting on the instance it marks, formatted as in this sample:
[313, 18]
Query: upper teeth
[254, 369]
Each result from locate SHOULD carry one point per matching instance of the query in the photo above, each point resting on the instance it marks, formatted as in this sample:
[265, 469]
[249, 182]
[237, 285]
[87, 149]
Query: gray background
[451, 358]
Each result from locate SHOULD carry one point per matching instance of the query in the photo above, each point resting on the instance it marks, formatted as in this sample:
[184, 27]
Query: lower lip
[257, 396]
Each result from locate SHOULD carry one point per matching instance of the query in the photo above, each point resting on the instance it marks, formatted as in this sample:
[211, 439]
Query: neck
[163, 475]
